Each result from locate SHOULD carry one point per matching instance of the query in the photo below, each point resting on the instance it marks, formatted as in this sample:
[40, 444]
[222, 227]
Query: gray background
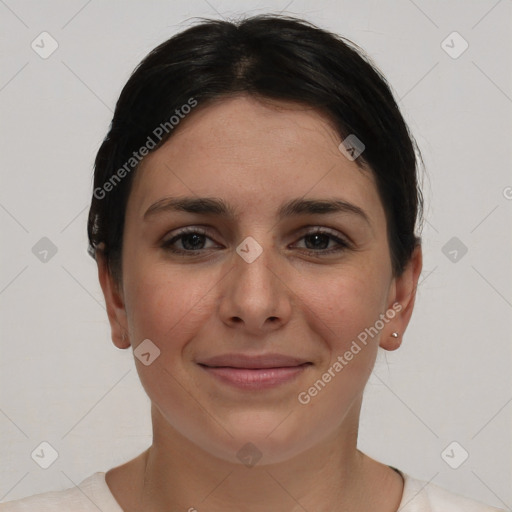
[63, 381]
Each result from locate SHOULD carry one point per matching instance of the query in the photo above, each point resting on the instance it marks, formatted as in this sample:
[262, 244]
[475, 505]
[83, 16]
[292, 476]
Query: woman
[253, 220]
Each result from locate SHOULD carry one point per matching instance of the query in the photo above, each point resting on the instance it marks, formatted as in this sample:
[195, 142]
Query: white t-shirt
[94, 494]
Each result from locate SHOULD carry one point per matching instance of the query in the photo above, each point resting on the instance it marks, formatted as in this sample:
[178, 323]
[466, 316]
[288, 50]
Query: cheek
[168, 305]
[340, 311]
[342, 304]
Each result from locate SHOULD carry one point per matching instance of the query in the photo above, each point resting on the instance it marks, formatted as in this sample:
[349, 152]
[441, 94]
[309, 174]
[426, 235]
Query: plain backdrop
[62, 380]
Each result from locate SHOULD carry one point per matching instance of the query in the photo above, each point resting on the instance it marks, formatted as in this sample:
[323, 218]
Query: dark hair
[268, 56]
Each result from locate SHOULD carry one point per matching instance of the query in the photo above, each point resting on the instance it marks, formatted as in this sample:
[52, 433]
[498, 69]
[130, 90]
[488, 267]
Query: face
[288, 255]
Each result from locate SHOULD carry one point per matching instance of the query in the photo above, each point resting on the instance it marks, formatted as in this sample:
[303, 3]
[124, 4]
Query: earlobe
[391, 342]
[404, 294]
[114, 302]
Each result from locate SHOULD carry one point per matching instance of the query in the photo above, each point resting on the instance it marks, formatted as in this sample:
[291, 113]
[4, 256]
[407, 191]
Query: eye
[193, 240]
[320, 241]
[188, 240]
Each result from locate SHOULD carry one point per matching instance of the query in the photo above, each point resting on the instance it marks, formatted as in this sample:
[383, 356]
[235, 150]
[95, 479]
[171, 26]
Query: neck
[174, 474]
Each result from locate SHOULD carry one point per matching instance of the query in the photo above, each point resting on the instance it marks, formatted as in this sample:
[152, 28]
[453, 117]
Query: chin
[263, 439]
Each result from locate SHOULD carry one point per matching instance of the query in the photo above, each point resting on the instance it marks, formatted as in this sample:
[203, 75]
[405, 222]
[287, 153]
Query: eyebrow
[218, 207]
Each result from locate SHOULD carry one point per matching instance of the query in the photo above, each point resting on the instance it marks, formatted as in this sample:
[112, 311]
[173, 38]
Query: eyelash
[167, 244]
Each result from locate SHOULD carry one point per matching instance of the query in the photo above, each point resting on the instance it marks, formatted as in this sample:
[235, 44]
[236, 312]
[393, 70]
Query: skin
[255, 155]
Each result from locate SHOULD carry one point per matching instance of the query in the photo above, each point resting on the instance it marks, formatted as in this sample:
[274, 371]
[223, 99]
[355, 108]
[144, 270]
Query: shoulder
[89, 496]
[420, 496]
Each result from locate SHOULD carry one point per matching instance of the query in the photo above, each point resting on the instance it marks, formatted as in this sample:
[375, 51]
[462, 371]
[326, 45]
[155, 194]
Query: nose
[255, 298]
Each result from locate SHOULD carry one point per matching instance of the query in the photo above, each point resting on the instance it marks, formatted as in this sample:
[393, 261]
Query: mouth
[254, 372]
[256, 362]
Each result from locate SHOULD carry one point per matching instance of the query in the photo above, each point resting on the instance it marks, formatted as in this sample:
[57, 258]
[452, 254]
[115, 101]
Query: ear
[401, 300]
[114, 301]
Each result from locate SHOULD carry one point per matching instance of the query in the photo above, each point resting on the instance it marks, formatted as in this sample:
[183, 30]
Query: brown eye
[317, 241]
[321, 242]
[190, 240]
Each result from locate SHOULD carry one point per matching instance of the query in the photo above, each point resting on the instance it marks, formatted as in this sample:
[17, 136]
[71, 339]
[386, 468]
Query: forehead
[253, 153]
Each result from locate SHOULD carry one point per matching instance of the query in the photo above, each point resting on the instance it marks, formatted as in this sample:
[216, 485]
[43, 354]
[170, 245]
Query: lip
[255, 378]
[254, 372]
[260, 361]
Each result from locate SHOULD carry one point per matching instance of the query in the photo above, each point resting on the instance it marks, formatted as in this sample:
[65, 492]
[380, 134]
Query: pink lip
[255, 378]
[257, 361]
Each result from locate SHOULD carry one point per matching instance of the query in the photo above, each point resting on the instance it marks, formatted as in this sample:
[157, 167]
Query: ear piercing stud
[394, 334]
